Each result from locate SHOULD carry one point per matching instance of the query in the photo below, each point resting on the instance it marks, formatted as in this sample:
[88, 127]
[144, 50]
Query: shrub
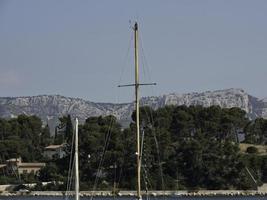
[252, 149]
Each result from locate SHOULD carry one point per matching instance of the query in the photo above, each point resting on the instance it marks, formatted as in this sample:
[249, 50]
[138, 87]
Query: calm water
[132, 198]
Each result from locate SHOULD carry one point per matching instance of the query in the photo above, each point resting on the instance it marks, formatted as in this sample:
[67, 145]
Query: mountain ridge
[50, 107]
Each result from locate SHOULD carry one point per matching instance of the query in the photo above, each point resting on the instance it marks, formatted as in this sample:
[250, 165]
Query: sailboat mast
[137, 85]
[137, 111]
[76, 162]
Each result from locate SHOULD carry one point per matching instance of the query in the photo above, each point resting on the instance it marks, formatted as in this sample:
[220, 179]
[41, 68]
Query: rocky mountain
[227, 98]
[50, 107]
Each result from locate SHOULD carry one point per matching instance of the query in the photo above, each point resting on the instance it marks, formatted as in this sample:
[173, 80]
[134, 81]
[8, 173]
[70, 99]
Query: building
[55, 151]
[26, 168]
[15, 165]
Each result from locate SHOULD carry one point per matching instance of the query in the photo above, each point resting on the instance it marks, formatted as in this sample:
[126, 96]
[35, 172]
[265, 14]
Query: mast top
[135, 26]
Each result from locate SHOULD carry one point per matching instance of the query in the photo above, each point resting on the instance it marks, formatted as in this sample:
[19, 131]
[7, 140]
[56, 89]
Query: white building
[55, 151]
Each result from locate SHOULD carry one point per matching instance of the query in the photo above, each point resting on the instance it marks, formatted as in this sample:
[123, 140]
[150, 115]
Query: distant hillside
[50, 107]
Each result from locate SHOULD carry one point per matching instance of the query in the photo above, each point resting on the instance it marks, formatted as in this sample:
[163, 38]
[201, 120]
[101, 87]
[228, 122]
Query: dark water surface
[144, 198]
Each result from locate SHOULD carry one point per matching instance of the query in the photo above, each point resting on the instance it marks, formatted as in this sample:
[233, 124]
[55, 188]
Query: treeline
[183, 148]
[23, 136]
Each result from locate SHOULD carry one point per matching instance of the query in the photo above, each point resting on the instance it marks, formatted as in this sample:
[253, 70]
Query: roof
[31, 165]
[2, 165]
[13, 160]
[54, 146]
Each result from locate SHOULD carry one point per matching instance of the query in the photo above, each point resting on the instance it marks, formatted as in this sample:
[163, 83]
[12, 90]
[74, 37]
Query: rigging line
[120, 174]
[144, 156]
[124, 65]
[146, 66]
[69, 193]
[71, 161]
[144, 60]
[98, 171]
[144, 179]
[71, 180]
[156, 142]
[123, 164]
[102, 157]
[71, 166]
[159, 160]
[251, 176]
[131, 105]
[125, 58]
[146, 174]
[69, 174]
[142, 145]
[145, 168]
[150, 115]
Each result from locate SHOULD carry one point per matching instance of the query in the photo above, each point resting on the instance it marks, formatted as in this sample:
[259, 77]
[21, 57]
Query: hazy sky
[80, 48]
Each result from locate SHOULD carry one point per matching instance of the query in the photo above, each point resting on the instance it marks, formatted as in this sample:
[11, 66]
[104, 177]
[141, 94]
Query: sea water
[144, 198]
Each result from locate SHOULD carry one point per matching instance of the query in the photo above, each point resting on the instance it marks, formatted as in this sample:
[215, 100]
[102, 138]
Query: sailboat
[137, 85]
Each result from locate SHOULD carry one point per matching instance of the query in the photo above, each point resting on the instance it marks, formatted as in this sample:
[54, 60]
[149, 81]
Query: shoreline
[181, 193]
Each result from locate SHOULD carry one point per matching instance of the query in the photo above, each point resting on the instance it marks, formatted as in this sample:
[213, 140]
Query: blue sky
[80, 48]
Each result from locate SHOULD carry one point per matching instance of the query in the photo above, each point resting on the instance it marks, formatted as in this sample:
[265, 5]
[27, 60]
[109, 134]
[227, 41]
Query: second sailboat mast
[76, 162]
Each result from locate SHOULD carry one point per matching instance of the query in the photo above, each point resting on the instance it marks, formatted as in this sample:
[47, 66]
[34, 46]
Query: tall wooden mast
[137, 85]
[138, 156]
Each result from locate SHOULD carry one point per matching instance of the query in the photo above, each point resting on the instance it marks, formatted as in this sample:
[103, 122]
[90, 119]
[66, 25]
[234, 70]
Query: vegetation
[183, 148]
[23, 137]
